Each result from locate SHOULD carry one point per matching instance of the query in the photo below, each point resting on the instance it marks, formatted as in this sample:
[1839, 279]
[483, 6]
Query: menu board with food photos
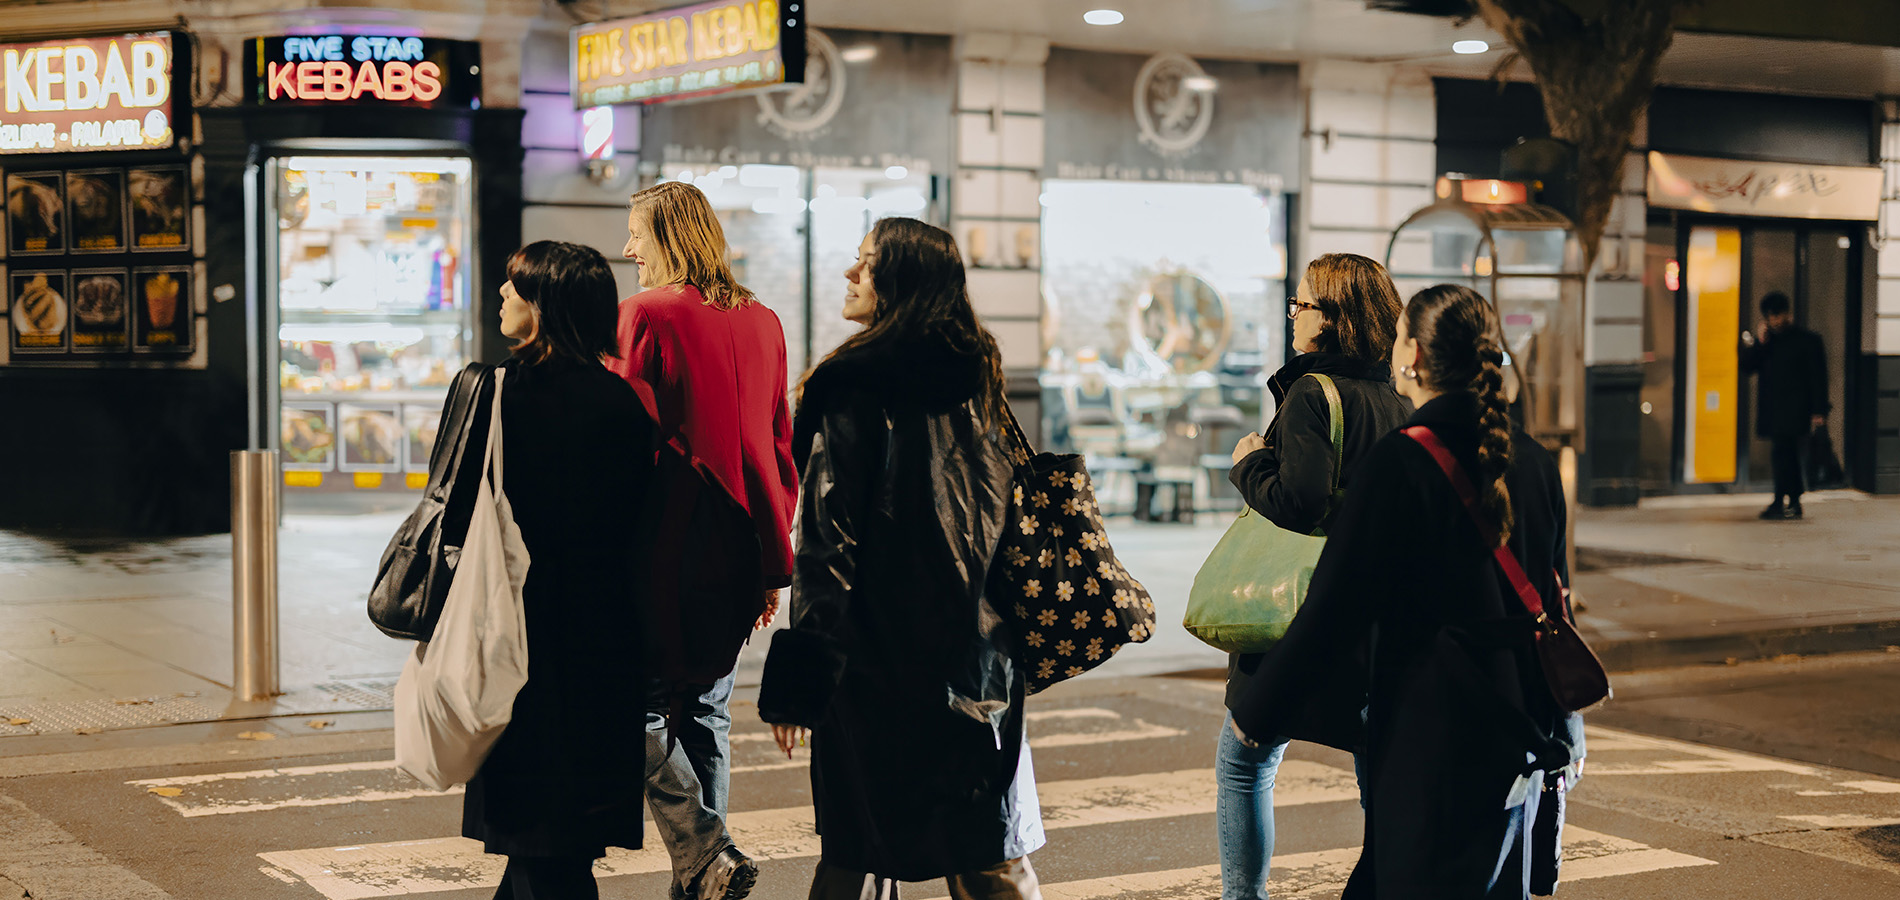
[419, 425]
[99, 266]
[161, 311]
[41, 313]
[36, 213]
[371, 435]
[308, 436]
[99, 301]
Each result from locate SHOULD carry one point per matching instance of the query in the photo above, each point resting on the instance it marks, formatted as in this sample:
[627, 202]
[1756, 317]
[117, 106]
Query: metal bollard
[254, 491]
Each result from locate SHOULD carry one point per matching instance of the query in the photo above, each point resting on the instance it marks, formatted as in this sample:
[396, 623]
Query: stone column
[1880, 340]
[1370, 161]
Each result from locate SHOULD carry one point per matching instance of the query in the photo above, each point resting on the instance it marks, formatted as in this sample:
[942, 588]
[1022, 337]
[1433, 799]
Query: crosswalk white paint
[1677, 757]
[412, 867]
[263, 790]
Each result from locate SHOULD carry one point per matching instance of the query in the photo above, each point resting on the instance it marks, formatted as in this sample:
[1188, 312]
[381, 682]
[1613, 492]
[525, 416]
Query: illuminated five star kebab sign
[80, 94]
[691, 52]
[380, 70]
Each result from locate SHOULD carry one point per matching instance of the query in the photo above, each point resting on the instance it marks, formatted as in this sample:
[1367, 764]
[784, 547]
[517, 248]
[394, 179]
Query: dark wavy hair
[1460, 349]
[917, 273]
[1360, 304]
[576, 304]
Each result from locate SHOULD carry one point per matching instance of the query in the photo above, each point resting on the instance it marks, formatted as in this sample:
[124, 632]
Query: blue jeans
[687, 787]
[1243, 811]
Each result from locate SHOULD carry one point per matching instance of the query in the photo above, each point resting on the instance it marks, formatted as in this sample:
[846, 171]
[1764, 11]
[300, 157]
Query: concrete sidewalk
[116, 635]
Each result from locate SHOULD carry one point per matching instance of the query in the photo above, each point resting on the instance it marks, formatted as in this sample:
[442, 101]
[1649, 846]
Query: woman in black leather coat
[894, 659]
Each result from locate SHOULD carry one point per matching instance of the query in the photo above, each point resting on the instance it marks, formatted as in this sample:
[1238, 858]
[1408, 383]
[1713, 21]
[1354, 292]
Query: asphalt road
[1124, 773]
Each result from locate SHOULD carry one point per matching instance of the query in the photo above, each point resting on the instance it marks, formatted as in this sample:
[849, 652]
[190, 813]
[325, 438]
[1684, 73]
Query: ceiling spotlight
[858, 54]
[1199, 83]
[1102, 17]
[1470, 47]
[896, 173]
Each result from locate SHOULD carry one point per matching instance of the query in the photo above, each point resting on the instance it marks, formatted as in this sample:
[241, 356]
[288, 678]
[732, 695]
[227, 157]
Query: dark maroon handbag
[1576, 677]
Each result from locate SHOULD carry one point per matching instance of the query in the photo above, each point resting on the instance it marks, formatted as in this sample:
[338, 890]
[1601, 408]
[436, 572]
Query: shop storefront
[1165, 252]
[104, 373]
[796, 172]
[355, 175]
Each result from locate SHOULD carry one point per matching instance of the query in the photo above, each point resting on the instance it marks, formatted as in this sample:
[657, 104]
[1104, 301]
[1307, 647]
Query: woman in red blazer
[708, 360]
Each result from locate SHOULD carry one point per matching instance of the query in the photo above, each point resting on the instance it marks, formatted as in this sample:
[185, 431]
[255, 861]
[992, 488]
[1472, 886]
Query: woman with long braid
[1459, 725]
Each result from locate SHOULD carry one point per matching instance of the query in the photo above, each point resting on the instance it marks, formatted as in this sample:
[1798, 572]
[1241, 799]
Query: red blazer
[715, 382]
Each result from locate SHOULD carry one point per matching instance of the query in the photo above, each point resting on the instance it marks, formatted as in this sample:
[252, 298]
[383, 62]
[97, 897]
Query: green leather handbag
[1246, 593]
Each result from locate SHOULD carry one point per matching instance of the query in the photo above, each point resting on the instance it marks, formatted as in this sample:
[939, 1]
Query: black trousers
[548, 878]
[1786, 455]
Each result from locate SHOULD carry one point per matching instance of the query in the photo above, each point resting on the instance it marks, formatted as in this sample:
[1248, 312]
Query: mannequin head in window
[1346, 304]
[560, 301]
[674, 236]
[1776, 312]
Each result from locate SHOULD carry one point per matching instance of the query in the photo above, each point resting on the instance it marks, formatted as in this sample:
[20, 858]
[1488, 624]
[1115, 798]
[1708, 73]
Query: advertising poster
[372, 437]
[161, 309]
[419, 424]
[95, 210]
[41, 313]
[309, 437]
[36, 213]
[160, 206]
[99, 301]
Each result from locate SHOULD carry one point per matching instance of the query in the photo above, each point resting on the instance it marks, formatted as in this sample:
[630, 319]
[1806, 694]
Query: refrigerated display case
[373, 313]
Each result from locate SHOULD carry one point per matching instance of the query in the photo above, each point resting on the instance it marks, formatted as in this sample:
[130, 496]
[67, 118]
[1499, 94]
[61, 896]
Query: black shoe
[1794, 512]
[730, 876]
[1774, 511]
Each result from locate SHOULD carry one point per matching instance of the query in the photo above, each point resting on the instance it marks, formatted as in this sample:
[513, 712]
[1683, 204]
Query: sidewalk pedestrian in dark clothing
[1791, 399]
[1453, 691]
[559, 787]
[1344, 317]
[895, 660]
[708, 359]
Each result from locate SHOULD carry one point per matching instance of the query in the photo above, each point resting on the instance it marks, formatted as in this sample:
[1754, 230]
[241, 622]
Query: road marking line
[1873, 787]
[1587, 855]
[291, 771]
[442, 864]
[1704, 759]
[1849, 820]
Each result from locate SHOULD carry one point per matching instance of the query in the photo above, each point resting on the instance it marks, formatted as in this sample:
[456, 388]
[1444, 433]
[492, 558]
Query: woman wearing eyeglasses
[1344, 318]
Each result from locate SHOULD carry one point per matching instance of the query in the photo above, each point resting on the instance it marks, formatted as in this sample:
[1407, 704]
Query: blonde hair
[692, 243]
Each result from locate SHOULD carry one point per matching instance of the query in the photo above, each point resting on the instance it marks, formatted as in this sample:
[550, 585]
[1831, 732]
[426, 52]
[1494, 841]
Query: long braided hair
[1461, 350]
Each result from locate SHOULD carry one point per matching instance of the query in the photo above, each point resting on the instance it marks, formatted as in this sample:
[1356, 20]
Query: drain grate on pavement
[102, 715]
[361, 693]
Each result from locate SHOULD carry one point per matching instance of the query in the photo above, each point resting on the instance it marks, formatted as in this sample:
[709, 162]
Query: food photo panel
[161, 311]
[308, 437]
[95, 210]
[371, 435]
[160, 207]
[99, 301]
[40, 312]
[36, 213]
[419, 425]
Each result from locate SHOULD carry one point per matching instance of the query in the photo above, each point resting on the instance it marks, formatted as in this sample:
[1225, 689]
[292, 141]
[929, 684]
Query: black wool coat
[568, 774]
[1790, 368]
[1290, 481]
[894, 657]
[1458, 706]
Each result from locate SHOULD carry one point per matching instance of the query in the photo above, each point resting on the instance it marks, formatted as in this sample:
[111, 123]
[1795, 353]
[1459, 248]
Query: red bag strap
[1462, 485]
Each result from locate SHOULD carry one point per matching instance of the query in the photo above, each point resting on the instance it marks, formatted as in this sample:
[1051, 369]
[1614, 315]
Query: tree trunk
[1595, 64]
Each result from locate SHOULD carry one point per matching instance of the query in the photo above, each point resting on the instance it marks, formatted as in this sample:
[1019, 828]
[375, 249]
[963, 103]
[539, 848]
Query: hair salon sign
[1741, 188]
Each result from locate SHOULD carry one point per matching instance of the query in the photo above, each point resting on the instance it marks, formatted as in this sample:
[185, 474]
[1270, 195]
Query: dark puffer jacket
[893, 657]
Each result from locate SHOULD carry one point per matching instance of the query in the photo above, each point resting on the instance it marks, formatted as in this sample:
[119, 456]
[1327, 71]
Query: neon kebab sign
[87, 94]
[386, 68]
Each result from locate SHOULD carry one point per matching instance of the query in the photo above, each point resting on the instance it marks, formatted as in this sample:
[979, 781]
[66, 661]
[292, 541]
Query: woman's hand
[1247, 445]
[771, 611]
[789, 736]
[1242, 736]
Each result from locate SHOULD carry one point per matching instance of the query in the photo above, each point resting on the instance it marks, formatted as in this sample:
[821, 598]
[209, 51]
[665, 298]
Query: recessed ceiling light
[1470, 47]
[1200, 83]
[860, 53]
[1102, 17]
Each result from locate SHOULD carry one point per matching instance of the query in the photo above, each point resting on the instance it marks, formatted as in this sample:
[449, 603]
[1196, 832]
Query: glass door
[368, 281]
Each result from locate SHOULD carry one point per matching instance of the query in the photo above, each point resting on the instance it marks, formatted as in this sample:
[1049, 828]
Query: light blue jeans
[1243, 811]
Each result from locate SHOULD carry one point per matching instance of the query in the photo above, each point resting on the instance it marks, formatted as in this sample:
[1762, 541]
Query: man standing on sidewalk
[1790, 368]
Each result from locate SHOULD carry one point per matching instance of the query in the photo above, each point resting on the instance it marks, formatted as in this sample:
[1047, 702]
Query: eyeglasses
[1294, 305]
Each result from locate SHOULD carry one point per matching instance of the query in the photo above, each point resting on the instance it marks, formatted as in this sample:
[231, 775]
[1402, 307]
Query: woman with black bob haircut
[1457, 699]
[895, 660]
[565, 782]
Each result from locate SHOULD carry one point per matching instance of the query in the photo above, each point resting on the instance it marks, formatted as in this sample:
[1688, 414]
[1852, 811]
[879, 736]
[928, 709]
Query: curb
[1720, 649]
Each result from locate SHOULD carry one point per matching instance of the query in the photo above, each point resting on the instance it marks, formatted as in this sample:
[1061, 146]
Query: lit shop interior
[1164, 315]
[373, 319]
[792, 232]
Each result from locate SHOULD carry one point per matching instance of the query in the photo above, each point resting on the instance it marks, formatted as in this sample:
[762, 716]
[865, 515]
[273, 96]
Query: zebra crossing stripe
[408, 867]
